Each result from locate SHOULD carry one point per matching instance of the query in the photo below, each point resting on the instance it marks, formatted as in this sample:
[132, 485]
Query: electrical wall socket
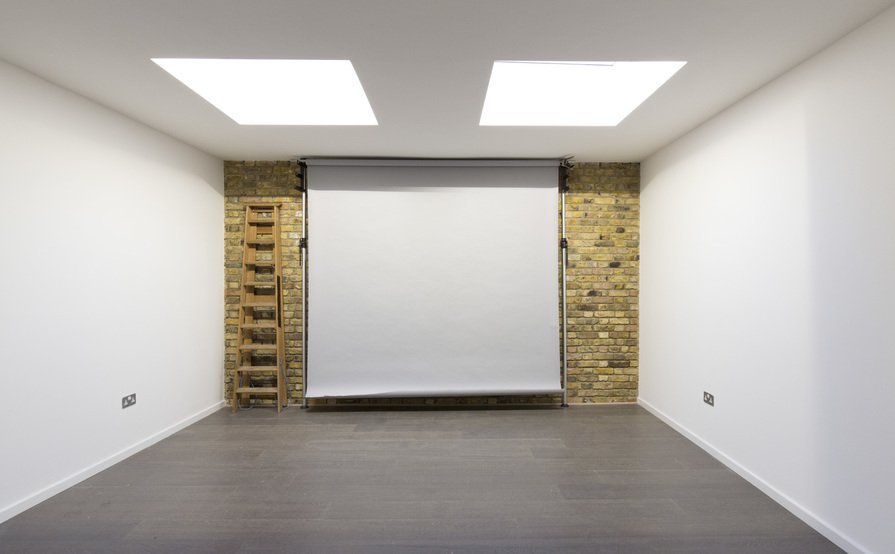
[708, 398]
[128, 401]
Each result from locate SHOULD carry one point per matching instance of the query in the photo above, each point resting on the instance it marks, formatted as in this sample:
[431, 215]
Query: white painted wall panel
[112, 283]
[767, 268]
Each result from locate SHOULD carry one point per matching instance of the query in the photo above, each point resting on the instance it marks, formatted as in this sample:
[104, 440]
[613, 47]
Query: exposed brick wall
[603, 228]
[258, 182]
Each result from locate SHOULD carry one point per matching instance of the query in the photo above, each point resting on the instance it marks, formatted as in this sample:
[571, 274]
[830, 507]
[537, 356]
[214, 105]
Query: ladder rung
[261, 284]
[260, 304]
[260, 241]
[270, 325]
[257, 369]
[261, 263]
[257, 346]
[256, 390]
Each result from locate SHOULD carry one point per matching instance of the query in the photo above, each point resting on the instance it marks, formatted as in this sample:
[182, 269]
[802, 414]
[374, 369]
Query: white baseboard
[838, 538]
[18, 507]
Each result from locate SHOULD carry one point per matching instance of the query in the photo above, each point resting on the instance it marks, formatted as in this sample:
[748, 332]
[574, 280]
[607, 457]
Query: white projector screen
[432, 279]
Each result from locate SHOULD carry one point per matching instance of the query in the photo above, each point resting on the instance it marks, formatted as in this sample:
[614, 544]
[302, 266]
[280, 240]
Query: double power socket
[128, 401]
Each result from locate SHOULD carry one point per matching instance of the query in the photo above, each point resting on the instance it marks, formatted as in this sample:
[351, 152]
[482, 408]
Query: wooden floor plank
[584, 479]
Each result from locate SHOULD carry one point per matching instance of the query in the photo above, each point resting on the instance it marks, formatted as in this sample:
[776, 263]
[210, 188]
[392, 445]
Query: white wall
[111, 283]
[768, 267]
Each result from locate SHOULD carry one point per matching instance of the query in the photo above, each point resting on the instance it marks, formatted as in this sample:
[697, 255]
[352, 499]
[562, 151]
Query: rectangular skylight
[570, 94]
[277, 92]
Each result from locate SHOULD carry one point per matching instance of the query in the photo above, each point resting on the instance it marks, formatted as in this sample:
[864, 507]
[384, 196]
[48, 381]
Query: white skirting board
[12, 510]
[837, 537]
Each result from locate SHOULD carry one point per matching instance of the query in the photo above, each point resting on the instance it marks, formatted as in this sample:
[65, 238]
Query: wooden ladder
[260, 366]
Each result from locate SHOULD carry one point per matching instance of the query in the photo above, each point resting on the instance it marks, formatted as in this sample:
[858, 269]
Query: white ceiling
[423, 63]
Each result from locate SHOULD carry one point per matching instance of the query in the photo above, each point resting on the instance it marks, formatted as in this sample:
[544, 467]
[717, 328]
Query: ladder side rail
[282, 399]
[244, 278]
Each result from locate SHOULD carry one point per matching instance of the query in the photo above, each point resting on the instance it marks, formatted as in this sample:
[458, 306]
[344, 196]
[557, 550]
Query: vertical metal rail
[564, 248]
[304, 284]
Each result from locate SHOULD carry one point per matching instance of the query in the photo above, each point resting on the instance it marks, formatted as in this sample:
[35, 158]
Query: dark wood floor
[585, 479]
